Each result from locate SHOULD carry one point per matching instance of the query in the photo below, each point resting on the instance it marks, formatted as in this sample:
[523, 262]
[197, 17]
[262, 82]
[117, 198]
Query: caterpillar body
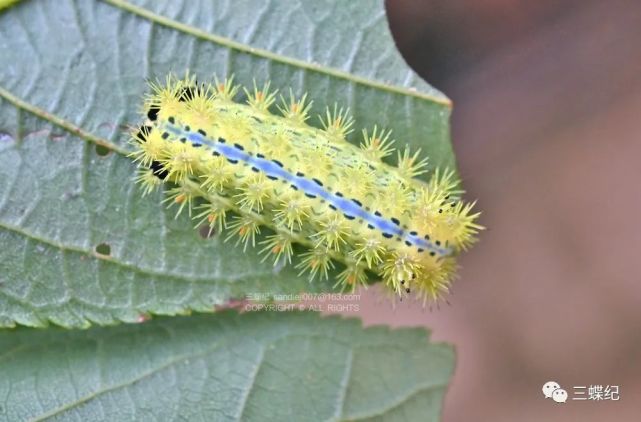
[241, 167]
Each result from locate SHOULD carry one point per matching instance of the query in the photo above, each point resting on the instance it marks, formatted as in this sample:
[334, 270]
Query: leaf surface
[71, 83]
[256, 366]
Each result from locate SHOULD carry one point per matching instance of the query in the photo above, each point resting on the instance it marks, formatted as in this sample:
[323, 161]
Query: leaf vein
[181, 277]
[170, 364]
[259, 52]
[254, 375]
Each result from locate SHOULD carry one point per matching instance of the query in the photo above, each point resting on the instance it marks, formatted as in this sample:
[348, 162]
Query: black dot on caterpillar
[152, 114]
[188, 93]
[158, 170]
[142, 134]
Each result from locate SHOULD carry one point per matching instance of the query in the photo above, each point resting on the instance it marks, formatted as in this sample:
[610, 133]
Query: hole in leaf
[206, 231]
[102, 150]
[103, 249]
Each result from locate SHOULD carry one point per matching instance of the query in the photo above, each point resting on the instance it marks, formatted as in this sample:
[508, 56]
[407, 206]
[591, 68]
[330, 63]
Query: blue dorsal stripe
[274, 169]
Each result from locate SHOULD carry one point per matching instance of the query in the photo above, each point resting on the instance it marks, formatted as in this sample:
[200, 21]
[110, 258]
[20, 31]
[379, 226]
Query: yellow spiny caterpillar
[242, 167]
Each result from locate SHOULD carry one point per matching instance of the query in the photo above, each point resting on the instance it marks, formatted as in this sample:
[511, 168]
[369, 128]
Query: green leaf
[71, 82]
[256, 366]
